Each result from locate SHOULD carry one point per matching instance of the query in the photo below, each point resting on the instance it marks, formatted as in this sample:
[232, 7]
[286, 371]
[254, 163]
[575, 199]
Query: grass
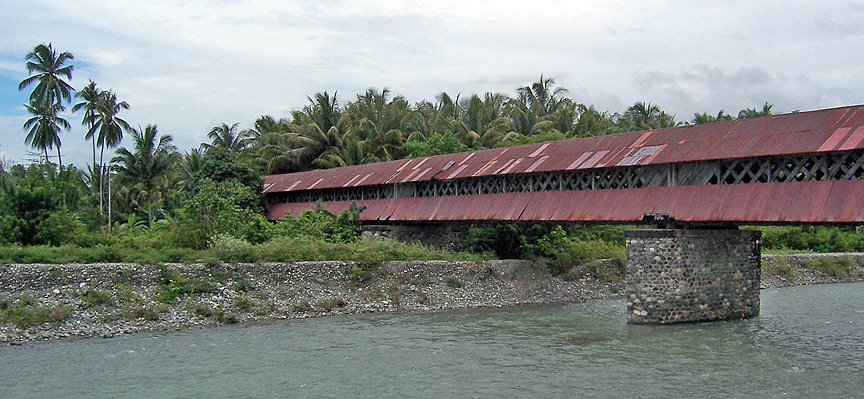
[280, 249]
[94, 298]
[330, 304]
[417, 280]
[779, 267]
[24, 311]
[453, 282]
[303, 307]
[150, 313]
[832, 266]
[124, 294]
[100, 253]
[205, 310]
[784, 251]
[579, 253]
[242, 302]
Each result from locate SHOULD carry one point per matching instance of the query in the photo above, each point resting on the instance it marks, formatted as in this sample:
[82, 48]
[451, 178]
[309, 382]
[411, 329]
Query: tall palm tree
[45, 126]
[148, 166]
[228, 138]
[264, 125]
[756, 113]
[308, 143]
[592, 123]
[190, 165]
[448, 105]
[645, 116]
[275, 153]
[379, 121]
[262, 133]
[46, 69]
[541, 97]
[324, 110]
[520, 115]
[707, 118]
[90, 96]
[108, 129]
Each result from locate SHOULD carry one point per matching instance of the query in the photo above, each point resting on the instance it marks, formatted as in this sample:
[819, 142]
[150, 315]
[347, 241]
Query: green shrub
[242, 302]
[363, 271]
[453, 282]
[173, 286]
[242, 284]
[59, 227]
[317, 222]
[10, 230]
[228, 318]
[232, 250]
[563, 252]
[218, 208]
[206, 311]
[812, 238]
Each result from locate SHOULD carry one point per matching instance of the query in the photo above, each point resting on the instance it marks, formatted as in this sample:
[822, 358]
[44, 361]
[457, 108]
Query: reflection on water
[809, 342]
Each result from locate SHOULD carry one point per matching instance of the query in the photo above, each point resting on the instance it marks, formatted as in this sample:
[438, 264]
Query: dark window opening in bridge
[846, 165]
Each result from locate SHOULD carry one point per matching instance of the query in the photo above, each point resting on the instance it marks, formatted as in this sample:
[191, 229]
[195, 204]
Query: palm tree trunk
[101, 176]
[59, 158]
[149, 212]
[93, 140]
[109, 200]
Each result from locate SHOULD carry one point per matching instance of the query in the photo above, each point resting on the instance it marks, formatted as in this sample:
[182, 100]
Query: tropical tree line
[215, 189]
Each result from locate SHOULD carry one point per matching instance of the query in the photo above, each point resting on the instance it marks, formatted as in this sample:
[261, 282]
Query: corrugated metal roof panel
[803, 132]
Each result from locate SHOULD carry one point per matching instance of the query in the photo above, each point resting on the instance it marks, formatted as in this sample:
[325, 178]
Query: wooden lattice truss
[847, 165]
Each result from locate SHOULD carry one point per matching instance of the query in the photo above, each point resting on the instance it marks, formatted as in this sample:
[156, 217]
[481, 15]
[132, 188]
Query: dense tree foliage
[149, 195]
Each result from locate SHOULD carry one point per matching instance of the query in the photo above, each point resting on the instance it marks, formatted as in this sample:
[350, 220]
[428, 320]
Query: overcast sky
[187, 66]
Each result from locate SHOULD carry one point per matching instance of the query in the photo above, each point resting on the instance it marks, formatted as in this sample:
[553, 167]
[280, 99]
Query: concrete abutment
[680, 275]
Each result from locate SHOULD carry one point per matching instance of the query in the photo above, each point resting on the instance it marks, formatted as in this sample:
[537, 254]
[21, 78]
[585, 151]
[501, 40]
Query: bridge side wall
[680, 276]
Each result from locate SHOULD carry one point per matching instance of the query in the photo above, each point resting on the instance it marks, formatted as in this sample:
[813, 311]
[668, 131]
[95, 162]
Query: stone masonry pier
[680, 276]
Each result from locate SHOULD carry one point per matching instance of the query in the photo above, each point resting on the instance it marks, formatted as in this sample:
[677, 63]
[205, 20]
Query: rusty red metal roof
[802, 132]
[760, 203]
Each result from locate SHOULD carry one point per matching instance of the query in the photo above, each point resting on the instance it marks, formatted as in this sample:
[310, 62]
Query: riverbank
[44, 302]
[805, 269]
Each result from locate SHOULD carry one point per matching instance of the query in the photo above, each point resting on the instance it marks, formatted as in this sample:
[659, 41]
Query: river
[808, 342]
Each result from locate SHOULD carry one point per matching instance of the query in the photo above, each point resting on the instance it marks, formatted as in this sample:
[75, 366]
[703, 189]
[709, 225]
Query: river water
[808, 342]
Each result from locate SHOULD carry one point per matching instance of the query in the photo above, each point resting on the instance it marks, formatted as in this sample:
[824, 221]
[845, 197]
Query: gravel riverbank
[44, 302]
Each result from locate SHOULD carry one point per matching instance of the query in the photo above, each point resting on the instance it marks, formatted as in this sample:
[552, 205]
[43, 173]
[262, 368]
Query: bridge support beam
[680, 276]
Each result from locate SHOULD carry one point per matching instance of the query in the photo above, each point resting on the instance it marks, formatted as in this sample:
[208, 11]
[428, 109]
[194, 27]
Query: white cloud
[190, 65]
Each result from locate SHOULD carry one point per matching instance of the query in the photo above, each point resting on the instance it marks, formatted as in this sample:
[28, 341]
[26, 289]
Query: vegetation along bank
[43, 302]
[65, 229]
